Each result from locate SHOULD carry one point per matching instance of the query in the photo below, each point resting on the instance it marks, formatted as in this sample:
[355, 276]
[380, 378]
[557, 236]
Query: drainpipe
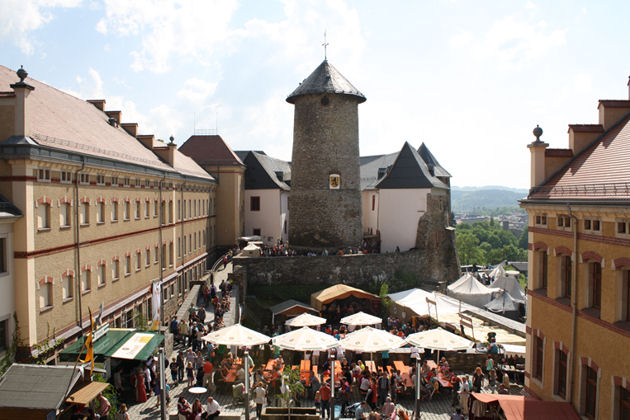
[574, 294]
[77, 253]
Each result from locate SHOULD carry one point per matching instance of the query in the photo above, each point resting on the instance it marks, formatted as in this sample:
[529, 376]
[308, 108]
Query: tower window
[325, 101]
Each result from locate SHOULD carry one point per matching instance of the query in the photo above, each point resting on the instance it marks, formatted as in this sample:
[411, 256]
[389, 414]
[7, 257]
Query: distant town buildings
[578, 323]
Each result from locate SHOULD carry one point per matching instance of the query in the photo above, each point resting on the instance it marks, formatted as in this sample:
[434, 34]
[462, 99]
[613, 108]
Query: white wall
[399, 212]
[369, 217]
[7, 297]
[272, 214]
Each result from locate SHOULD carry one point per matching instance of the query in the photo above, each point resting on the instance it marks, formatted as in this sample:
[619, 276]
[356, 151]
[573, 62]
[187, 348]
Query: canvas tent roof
[510, 285]
[288, 304]
[468, 289]
[517, 407]
[503, 303]
[338, 291]
[416, 300]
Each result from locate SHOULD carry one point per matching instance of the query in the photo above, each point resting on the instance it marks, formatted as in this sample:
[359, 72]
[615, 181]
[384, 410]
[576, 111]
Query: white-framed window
[67, 286]
[43, 175]
[563, 221]
[126, 182]
[43, 216]
[155, 255]
[114, 211]
[155, 208]
[126, 210]
[622, 228]
[127, 265]
[147, 257]
[45, 295]
[179, 209]
[101, 274]
[84, 178]
[147, 209]
[138, 261]
[115, 269]
[84, 214]
[65, 215]
[592, 225]
[163, 262]
[170, 254]
[114, 181]
[86, 281]
[184, 245]
[147, 183]
[100, 179]
[170, 211]
[179, 247]
[540, 219]
[100, 212]
[65, 177]
[137, 209]
[137, 183]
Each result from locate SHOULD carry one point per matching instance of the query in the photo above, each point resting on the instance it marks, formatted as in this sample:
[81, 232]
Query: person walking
[260, 396]
[324, 394]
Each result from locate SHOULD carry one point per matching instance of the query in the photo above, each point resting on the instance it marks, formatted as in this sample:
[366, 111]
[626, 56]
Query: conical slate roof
[325, 79]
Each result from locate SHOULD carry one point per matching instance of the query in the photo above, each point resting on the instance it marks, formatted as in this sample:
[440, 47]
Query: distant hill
[468, 199]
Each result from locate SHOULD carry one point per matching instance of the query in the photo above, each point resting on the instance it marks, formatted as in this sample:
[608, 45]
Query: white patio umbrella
[369, 340]
[236, 335]
[305, 339]
[438, 339]
[305, 320]
[360, 319]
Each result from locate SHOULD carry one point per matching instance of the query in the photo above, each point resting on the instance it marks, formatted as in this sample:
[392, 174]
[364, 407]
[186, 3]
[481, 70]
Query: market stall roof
[338, 291]
[143, 343]
[504, 302]
[468, 289]
[360, 319]
[290, 304]
[36, 387]
[370, 340]
[511, 285]
[517, 407]
[305, 339]
[236, 335]
[86, 394]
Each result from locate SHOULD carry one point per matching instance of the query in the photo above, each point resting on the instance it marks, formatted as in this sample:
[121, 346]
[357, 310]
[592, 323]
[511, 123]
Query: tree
[468, 250]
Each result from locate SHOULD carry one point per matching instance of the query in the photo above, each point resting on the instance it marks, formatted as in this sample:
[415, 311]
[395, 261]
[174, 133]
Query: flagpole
[89, 345]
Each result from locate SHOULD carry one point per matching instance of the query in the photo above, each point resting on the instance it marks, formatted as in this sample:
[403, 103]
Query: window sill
[68, 299]
[100, 223]
[564, 300]
[594, 312]
[138, 269]
[85, 292]
[66, 227]
[84, 225]
[100, 286]
[624, 325]
[45, 309]
[114, 220]
[43, 229]
[115, 279]
[541, 291]
[126, 220]
[127, 274]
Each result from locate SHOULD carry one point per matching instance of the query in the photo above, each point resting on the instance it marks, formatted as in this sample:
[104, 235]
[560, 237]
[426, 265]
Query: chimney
[114, 116]
[537, 149]
[22, 90]
[581, 135]
[611, 111]
[131, 128]
[98, 103]
[147, 139]
[167, 153]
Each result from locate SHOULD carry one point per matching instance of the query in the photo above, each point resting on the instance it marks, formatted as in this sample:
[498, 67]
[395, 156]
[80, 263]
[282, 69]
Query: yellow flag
[89, 345]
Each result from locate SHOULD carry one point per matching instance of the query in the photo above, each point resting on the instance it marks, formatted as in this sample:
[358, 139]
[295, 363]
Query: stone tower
[325, 197]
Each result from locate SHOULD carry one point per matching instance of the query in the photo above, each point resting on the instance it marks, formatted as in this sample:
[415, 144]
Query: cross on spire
[325, 45]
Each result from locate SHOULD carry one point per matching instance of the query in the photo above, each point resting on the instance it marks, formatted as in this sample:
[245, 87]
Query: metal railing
[617, 189]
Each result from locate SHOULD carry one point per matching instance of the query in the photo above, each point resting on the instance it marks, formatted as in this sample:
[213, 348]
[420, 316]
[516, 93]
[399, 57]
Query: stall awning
[339, 291]
[86, 394]
[517, 407]
[118, 343]
[138, 346]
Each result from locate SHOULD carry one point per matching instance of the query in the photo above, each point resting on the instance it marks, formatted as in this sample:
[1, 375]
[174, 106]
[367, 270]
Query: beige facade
[107, 214]
[578, 323]
[230, 202]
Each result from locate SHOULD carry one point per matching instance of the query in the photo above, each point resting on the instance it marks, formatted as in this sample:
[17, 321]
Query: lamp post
[246, 399]
[332, 387]
[162, 385]
[417, 384]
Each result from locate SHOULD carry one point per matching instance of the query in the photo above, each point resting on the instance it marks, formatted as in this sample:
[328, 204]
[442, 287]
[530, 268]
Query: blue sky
[470, 79]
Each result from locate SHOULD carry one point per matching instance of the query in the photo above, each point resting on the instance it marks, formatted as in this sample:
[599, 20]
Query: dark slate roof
[210, 151]
[410, 171]
[264, 172]
[288, 304]
[36, 387]
[434, 166]
[326, 79]
[7, 209]
[370, 166]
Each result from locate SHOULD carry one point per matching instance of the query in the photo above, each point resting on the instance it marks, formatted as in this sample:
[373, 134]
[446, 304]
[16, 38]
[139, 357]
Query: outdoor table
[197, 390]
[371, 366]
[443, 381]
[231, 376]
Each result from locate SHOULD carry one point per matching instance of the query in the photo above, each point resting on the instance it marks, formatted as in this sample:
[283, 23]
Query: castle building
[325, 197]
[216, 157]
[578, 323]
[109, 218]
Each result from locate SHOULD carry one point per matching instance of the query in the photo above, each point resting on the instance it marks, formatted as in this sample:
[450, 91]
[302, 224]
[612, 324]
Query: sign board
[334, 181]
[133, 346]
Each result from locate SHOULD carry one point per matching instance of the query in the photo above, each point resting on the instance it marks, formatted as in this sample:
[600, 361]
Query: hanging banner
[155, 301]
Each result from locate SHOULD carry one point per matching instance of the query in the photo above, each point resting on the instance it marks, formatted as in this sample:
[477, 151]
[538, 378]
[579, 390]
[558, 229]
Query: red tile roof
[587, 128]
[599, 172]
[210, 151]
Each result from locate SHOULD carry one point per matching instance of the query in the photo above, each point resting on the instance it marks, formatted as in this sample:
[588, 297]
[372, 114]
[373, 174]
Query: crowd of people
[280, 249]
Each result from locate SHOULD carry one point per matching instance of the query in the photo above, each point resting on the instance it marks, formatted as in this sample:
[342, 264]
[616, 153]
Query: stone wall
[399, 270]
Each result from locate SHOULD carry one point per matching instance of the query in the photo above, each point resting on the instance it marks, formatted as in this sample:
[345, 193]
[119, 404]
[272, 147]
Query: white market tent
[439, 339]
[370, 340]
[416, 301]
[305, 339]
[305, 320]
[468, 289]
[498, 270]
[503, 303]
[251, 250]
[511, 285]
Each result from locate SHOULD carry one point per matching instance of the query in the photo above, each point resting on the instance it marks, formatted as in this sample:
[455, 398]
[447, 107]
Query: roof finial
[325, 44]
[538, 132]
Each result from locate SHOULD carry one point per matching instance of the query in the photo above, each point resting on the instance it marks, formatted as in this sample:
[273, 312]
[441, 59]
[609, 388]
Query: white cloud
[512, 42]
[196, 90]
[19, 18]
[181, 28]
